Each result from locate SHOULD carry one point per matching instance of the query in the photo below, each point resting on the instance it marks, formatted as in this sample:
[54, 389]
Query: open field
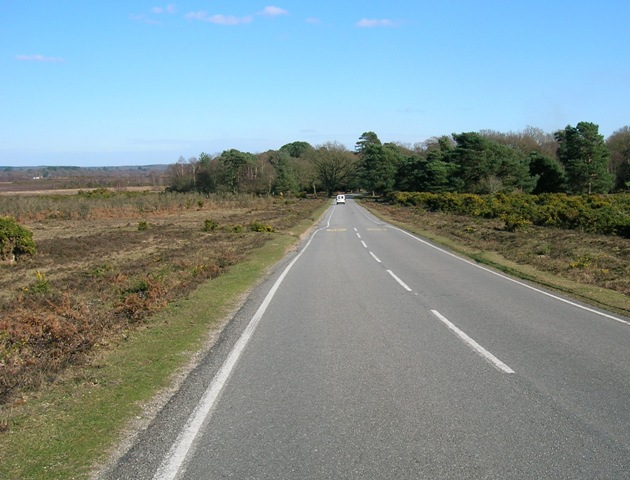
[591, 267]
[107, 261]
[127, 286]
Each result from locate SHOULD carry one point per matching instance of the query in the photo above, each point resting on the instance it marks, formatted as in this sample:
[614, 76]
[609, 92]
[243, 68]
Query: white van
[341, 199]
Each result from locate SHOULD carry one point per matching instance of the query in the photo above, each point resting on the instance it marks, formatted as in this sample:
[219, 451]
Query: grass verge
[67, 428]
[592, 294]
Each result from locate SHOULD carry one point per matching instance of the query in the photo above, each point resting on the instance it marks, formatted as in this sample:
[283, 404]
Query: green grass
[63, 431]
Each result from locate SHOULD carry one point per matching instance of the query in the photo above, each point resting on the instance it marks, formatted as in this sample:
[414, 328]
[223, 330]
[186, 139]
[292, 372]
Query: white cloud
[371, 23]
[272, 11]
[170, 8]
[313, 21]
[38, 58]
[218, 19]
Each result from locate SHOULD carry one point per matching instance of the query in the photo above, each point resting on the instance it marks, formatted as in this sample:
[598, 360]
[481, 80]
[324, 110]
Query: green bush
[603, 214]
[142, 226]
[15, 240]
[210, 225]
[260, 227]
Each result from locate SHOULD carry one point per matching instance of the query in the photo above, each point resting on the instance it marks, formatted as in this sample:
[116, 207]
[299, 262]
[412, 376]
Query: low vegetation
[591, 266]
[605, 214]
[107, 261]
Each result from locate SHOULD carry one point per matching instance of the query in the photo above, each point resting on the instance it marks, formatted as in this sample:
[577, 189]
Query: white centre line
[358, 235]
[402, 284]
[363, 243]
[375, 257]
[474, 345]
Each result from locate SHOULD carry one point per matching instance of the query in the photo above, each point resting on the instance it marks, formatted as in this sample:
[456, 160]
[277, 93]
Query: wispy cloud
[313, 21]
[218, 19]
[38, 58]
[170, 8]
[372, 23]
[145, 19]
[272, 11]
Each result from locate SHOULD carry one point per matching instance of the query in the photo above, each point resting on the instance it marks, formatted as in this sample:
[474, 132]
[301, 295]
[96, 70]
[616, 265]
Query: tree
[334, 165]
[286, 180]
[366, 139]
[582, 151]
[378, 166]
[181, 176]
[296, 149]
[619, 146]
[208, 174]
[551, 178]
[234, 163]
[378, 163]
[486, 166]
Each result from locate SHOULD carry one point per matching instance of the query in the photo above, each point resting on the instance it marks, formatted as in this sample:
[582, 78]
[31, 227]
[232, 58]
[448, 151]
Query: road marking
[363, 243]
[355, 229]
[376, 229]
[174, 460]
[402, 284]
[336, 229]
[474, 345]
[538, 290]
[375, 257]
[358, 235]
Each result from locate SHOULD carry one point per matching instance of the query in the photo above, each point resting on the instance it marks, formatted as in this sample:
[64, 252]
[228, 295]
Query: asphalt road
[370, 353]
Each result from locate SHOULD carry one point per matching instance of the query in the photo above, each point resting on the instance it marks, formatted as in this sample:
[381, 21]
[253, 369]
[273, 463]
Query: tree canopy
[585, 157]
[574, 160]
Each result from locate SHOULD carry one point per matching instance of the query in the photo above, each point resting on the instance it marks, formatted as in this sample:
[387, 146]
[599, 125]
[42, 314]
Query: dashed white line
[375, 257]
[363, 243]
[358, 235]
[402, 284]
[474, 345]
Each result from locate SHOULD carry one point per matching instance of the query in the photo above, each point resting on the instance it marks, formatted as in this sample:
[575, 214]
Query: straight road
[371, 353]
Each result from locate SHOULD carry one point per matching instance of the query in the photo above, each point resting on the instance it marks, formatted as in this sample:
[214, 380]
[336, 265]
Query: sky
[135, 82]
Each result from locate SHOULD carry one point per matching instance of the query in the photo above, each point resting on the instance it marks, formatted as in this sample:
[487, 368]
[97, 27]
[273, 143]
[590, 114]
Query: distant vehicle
[341, 199]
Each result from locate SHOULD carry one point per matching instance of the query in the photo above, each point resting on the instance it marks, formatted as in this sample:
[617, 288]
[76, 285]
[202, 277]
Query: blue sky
[96, 83]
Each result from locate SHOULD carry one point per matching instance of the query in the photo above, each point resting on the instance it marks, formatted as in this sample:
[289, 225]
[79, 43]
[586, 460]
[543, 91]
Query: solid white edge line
[402, 284]
[538, 290]
[375, 257]
[172, 463]
[474, 345]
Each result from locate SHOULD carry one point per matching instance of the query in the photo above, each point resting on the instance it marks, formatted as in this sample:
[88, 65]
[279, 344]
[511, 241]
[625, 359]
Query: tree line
[576, 160]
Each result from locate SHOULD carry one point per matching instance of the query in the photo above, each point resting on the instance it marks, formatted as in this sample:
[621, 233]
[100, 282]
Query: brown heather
[585, 258]
[97, 275]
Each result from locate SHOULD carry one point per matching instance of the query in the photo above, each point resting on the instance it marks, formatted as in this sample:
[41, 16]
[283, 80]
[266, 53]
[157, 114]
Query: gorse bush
[210, 225]
[603, 214]
[260, 227]
[15, 240]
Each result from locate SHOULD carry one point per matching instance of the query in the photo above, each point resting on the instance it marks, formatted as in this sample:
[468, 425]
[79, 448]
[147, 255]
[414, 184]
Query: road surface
[371, 353]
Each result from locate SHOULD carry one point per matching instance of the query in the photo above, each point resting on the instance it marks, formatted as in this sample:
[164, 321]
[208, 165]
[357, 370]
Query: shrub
[210, 225]
[15, 240]
[515, 222]
[142, 226]
[260, 227]
[603, 214]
